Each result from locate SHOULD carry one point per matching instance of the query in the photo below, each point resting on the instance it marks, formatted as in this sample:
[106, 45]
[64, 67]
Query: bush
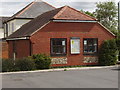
[24, 64]
[39, 61]
[118, 44]
[108, 53]
[42, 61]
[7, 65]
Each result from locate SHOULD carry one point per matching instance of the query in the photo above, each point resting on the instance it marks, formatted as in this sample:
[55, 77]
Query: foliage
[24, 64]
[118, 43]
[106, 13]
[7, 65]
[108, 53]
[89, 13]
[38, 61]
[42, 61]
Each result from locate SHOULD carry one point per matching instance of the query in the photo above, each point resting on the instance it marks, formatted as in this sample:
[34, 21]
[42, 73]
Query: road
[97, 78]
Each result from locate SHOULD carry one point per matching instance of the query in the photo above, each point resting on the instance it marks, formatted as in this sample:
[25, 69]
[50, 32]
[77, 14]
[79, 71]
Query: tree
[92, 14]
[106, 13]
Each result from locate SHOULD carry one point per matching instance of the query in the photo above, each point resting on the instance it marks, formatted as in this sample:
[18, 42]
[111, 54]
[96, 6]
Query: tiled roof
[72, 14]
[33, 10]
[66, 13]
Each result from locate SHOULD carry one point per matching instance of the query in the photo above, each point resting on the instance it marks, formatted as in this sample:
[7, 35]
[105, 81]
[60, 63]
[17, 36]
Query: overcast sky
[10, 7]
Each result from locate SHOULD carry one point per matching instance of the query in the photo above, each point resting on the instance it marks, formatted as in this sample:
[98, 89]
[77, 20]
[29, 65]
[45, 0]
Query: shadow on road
[116, 68]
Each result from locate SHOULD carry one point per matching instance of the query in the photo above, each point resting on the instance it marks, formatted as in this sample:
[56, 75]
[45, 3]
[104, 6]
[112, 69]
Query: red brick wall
[41, 39]
[4, 49]
[22, 48]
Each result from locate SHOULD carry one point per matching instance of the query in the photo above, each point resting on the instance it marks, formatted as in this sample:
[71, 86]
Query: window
[58, 46]
[90, 45]
[12, 27]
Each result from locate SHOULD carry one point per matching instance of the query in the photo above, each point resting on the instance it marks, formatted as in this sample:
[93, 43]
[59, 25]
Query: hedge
[108, 53]
[8, 65]
[25, 64]
[35, 62]
[42, 61]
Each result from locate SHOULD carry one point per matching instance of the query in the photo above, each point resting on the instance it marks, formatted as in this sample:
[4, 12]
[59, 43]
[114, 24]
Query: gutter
[74, 21]
[10, 19]
[21, 38]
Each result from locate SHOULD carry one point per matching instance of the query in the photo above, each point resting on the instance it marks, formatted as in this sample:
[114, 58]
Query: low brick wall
[59, 60]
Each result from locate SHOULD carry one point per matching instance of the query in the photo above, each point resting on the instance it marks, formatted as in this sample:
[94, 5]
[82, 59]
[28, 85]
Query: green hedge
[7, 65]
[25, 64]
[108, 53]
[42, 61]
[39, 61]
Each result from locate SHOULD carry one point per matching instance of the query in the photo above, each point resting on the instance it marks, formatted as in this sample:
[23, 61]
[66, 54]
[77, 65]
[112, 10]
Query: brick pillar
[4, 49]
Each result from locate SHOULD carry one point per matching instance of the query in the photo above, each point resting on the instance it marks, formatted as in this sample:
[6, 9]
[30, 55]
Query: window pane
[85, 49]
[85, 42]
[63, 42]
[90, 42]
[90, 45]
[58, 46]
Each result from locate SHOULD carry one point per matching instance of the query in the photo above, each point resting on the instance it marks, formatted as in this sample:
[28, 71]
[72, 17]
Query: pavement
[63, 69]
[85, 77]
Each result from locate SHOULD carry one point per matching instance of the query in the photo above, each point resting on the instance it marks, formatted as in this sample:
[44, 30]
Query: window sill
[58, 55]
[91, 54]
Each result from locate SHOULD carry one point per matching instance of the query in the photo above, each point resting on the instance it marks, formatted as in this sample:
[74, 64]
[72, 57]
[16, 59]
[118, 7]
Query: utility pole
[119, 16]
[118, 27]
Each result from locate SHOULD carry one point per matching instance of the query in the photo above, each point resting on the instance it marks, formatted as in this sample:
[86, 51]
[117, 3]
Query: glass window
[58, 46]
[90, 45]
[12, 27]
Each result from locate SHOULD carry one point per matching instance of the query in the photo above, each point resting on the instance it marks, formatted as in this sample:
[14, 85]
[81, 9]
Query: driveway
[97, 78]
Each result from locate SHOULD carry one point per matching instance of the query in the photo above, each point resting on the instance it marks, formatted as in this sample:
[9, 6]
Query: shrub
[108, 53]
[118, 46]
[24, 64]
[7, 65]
[42, 61]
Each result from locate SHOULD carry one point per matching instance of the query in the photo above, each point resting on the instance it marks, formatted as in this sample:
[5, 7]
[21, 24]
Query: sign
[75, 45]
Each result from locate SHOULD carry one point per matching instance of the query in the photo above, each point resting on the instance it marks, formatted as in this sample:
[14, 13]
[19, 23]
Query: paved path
[96, 78]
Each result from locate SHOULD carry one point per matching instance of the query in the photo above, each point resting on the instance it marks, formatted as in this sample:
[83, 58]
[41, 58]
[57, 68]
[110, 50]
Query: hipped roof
[32, 10]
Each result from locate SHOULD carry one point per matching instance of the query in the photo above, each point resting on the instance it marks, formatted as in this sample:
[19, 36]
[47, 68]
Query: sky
[10, 7]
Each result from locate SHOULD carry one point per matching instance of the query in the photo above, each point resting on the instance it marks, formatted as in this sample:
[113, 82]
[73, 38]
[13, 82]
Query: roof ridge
[16, 15]
[35, 27]
[24, 9]
[21, 10]
[44, 2]
[60, 12]
[82, 13]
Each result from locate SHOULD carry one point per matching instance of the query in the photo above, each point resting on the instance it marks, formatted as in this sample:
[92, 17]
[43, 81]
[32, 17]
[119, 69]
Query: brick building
[69, 36]
[11, 24]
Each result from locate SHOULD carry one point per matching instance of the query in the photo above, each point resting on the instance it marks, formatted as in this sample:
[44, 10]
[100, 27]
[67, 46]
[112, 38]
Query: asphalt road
[97, 78]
